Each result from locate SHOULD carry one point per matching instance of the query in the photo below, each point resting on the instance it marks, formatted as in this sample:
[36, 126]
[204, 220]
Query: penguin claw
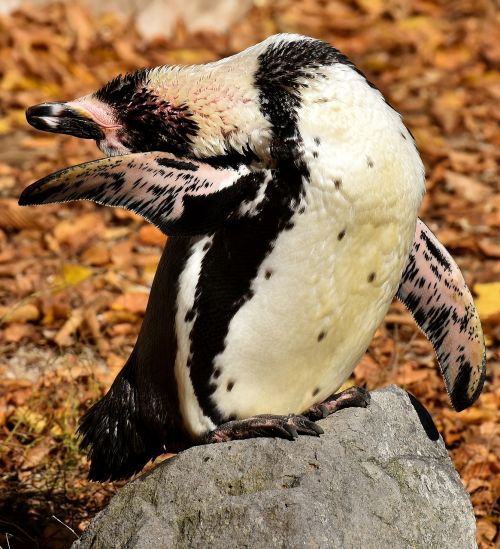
[304, 426]
[291, 431]
[352, 397]
[289, 427]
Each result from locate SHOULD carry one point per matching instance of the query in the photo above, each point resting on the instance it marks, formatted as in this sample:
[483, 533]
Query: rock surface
[378, 477]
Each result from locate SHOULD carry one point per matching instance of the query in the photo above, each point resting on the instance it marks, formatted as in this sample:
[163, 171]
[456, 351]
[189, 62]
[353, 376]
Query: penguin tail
[138, 419]
[120, 432]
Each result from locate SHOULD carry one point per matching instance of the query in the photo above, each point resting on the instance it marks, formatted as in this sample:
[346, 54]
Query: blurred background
[74, 278]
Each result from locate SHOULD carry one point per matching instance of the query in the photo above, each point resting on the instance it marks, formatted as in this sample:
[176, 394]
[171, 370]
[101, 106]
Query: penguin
[289, 189]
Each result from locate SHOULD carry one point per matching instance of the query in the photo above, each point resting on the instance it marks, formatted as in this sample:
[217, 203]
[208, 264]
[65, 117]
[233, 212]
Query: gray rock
[378, 478]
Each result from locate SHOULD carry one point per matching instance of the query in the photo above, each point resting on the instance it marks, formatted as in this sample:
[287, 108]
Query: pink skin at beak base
[103, 115]
[97, 110]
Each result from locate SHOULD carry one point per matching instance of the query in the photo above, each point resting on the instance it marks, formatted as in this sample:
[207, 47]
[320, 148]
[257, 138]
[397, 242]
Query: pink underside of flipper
[435, 292]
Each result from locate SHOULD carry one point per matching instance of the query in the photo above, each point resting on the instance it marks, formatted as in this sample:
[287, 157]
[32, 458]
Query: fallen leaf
[476, 415]
[72, 275]
[471, 189]
[76, 232]
[16, 332]
[36, 454]
[150, 235]
[12, 216]
[369, 371]
[489, 247]
[35, 422]
[408, 374]
[26, 312]
[486, 528]
[97, 254]
[63, 337]
[488, 299]
[121, 253]
[135, 302]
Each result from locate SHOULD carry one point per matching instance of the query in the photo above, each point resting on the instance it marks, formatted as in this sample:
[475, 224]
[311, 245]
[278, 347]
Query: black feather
[138, 419]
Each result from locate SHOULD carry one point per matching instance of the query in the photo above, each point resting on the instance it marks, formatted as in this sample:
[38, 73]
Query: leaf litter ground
[74, 279]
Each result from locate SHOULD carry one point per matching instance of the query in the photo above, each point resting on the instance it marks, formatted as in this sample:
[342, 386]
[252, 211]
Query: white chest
[318, 299]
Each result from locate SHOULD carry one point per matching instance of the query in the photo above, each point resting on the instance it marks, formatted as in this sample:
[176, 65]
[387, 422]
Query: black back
[138, 418]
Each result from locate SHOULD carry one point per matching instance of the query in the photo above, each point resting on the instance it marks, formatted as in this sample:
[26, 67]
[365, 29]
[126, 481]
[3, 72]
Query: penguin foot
[352, 397]
[289, 427]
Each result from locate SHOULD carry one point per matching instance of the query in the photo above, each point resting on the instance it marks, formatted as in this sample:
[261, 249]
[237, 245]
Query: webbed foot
[352, 397]
[289, 427]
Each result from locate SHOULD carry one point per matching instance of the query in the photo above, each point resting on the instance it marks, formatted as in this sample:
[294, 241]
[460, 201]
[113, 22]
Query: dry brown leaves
[76, 277]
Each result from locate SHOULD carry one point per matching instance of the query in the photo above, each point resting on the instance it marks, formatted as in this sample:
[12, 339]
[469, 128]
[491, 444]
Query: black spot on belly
[289, 225]
[316, 391]
[268, 274]
[217, 373]
[341, 235]
[321, 336]
[230, 386]
[371, 277]
[206, 246]
[317, 140]
[315, 154]
[369, 162]
[302, 209]
[338, 183]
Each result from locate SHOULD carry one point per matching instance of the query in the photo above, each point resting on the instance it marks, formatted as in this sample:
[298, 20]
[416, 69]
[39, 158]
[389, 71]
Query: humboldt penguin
[289, 189]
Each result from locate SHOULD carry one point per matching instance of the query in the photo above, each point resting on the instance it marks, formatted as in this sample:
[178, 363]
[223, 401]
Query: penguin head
[196, 111]
[255, 111]
[243, 108]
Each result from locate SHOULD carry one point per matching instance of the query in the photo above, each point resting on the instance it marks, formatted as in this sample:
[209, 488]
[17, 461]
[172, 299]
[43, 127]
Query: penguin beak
[64, 118]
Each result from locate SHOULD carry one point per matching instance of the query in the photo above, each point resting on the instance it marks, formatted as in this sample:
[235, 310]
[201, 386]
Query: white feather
[194, 419]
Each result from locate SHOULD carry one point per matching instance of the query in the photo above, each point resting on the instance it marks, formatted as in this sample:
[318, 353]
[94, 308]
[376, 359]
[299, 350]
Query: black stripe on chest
[240, 246]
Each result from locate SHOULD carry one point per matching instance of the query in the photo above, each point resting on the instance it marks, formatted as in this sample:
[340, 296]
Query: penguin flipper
[179, 196]
[434, 290]
[138, 419]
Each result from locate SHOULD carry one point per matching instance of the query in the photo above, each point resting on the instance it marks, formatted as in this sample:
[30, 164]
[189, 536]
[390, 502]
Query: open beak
[64, 118]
